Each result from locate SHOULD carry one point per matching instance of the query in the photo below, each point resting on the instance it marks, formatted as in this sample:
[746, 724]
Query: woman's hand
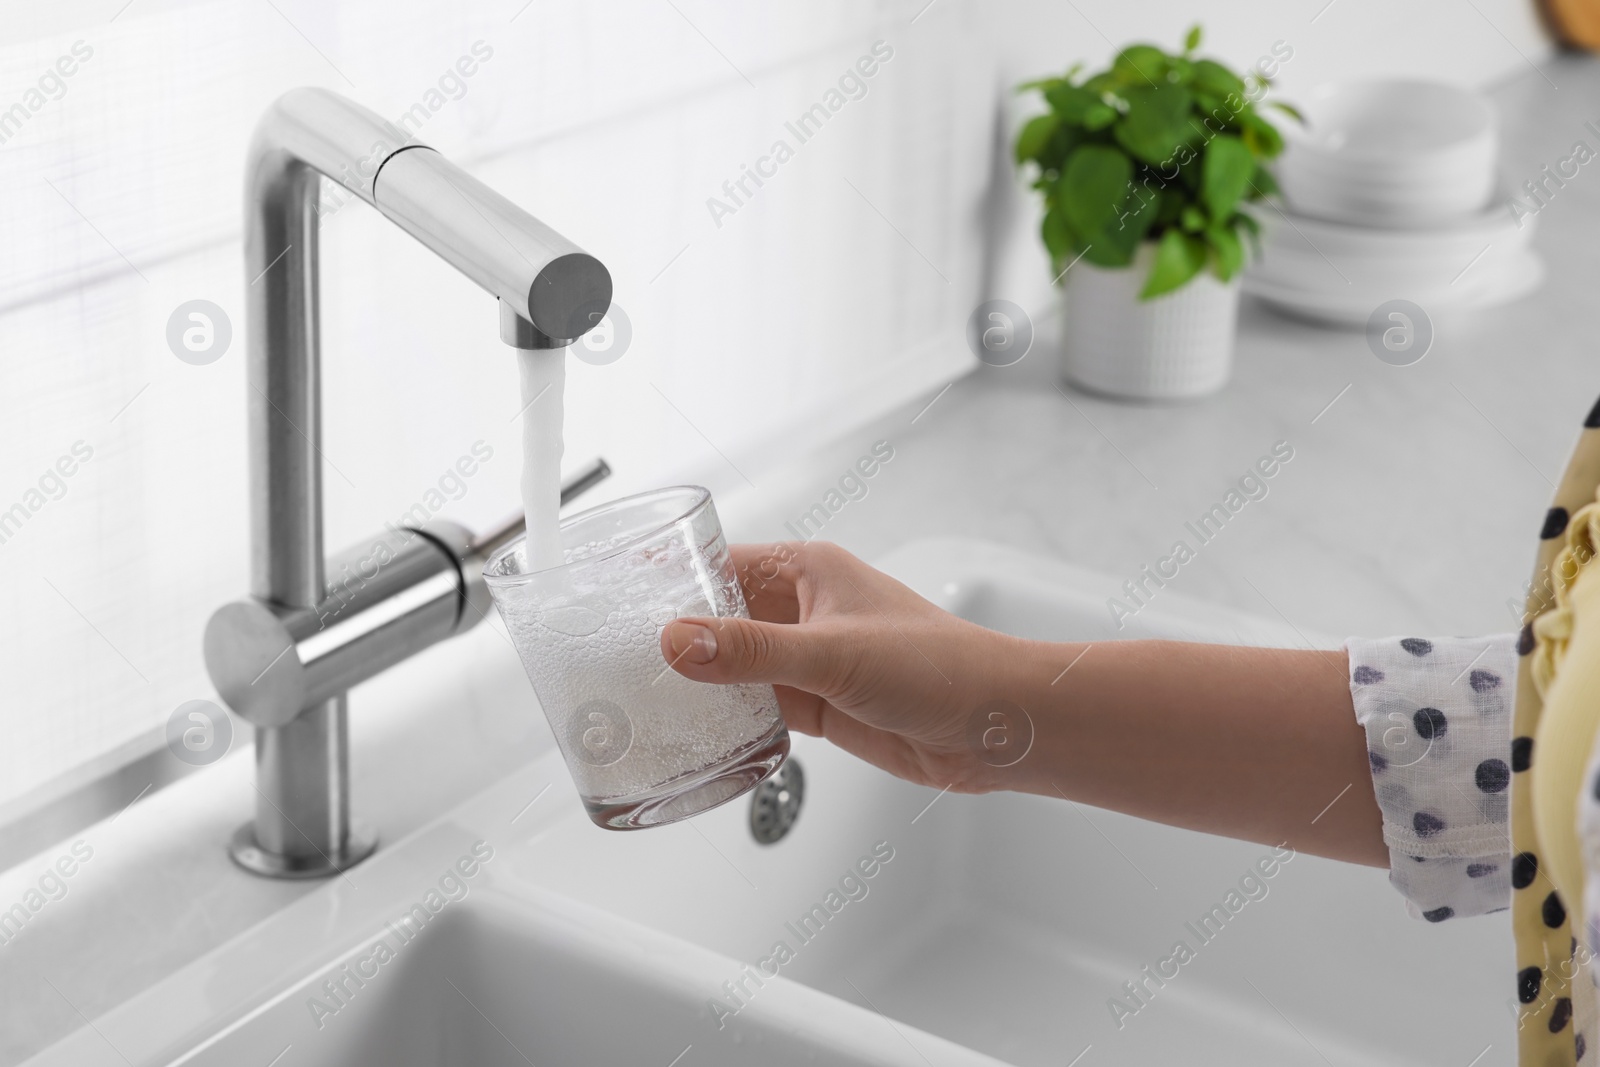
[1257, 743]
[855, 657]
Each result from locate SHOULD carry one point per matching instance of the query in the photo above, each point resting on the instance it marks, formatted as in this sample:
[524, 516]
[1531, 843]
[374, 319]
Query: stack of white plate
[1391, 194]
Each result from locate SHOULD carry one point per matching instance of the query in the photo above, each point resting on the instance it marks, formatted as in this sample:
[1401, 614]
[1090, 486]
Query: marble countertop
[1411, 505]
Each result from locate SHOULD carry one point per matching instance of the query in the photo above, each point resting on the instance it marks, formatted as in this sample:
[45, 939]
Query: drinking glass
[645, 745]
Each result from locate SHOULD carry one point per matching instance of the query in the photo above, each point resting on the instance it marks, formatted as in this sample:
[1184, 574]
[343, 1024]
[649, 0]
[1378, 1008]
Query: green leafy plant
[1159, 147]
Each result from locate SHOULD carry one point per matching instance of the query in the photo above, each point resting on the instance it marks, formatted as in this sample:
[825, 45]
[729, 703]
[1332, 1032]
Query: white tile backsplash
[836, 289]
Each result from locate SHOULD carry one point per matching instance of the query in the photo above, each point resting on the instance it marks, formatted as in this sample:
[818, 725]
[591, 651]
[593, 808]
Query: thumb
[743, 650]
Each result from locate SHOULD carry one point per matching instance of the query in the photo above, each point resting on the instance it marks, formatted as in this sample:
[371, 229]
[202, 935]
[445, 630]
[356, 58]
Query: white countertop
[1411, 506]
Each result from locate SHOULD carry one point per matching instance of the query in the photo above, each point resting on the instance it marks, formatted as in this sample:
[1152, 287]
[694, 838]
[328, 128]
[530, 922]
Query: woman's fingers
[802, 711]
[767, 579]
[813, 657]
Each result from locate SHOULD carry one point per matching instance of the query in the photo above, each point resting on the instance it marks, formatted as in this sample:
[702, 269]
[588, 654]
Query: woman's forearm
[1253, 743]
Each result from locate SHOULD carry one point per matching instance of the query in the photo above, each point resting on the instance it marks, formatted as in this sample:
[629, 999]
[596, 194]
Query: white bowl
[1393, 122]
[1493, 224]
[1488, 285]
[1331, 271]
[1391, 153]
[1309, 253]
[1452, 194]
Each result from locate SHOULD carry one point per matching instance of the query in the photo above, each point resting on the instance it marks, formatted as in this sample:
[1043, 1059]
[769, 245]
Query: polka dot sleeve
[1437, 714]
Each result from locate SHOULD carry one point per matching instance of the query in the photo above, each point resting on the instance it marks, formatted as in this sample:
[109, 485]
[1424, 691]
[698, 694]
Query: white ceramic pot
[1175, 346]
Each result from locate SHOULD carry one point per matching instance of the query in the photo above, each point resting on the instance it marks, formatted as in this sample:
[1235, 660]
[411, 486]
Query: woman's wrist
[1017, 715]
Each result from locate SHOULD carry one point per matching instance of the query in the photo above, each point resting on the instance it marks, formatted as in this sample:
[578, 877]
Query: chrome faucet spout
[329, 636]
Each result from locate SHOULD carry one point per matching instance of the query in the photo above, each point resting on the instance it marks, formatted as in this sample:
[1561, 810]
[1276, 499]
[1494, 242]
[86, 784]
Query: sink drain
[775, 804]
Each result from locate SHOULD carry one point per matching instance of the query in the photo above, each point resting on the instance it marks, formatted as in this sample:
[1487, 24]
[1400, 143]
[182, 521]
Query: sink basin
[1008, 923]
[893, 924]
[411, 963]
[521, 978]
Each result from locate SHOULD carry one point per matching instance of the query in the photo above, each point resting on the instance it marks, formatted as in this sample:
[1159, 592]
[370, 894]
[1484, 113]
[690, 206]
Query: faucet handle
[387, 599]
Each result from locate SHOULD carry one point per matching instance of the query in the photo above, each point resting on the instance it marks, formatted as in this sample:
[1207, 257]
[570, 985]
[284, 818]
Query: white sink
[499, 972]
[991, 929]
[526, 977]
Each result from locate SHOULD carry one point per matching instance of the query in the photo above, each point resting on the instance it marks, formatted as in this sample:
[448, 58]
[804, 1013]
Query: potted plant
[1144, 169]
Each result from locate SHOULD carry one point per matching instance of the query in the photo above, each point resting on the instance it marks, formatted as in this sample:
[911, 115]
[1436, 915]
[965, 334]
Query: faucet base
[244, 850]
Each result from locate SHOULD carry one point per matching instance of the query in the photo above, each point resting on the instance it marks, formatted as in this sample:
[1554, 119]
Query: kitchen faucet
[285, 657]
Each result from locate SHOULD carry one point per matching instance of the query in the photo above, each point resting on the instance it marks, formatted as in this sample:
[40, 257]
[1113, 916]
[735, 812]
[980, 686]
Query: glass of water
[645, 745]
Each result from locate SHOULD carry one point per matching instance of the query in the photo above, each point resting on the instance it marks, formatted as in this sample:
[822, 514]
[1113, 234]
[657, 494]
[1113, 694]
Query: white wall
[840, 288]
